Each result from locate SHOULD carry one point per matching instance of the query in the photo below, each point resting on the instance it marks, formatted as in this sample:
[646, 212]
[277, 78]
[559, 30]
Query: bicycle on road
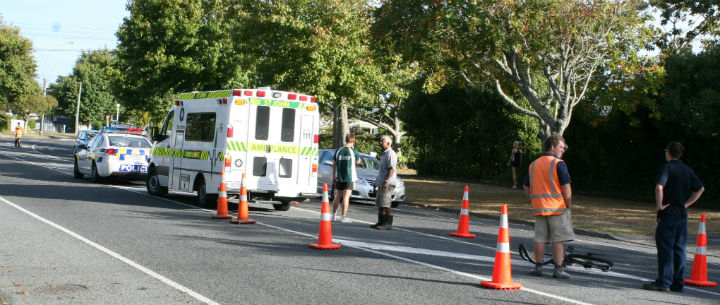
[589, 260]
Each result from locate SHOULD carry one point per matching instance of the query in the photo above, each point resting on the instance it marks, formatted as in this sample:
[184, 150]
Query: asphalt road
[69, 241]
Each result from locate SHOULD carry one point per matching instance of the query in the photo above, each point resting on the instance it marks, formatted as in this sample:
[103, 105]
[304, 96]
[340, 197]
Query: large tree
[540, 55]
[321, 47]
[169, 47]
[17, 68]
[96, 70]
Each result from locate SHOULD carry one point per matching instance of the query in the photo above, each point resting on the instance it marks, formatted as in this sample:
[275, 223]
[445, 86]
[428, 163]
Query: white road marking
[107, 251]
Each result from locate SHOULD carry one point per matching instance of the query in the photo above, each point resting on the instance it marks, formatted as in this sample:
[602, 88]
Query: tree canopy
[540, 55]
[17, 69]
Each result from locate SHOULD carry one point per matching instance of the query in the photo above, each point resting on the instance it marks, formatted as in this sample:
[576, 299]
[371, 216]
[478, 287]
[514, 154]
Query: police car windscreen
[123, 141]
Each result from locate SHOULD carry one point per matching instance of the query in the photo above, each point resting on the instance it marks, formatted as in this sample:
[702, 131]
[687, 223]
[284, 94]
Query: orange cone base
[700, 283]
[325, 247]
[222, 217]
[464, 235]
[242, 222]
[506, 286]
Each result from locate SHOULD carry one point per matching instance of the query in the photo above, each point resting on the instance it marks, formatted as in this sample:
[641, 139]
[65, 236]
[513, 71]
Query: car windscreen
[124, 141]
[90, 135]
[369, 162]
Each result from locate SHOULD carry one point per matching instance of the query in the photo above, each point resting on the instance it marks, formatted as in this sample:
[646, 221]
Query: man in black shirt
[677, 188]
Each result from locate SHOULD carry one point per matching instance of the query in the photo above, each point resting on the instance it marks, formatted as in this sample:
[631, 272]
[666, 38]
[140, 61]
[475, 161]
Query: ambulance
[270, 136]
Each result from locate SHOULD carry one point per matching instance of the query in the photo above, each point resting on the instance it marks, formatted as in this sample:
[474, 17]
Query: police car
[113, 153]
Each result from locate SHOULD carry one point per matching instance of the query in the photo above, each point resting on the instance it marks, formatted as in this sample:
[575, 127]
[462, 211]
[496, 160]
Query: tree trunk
[340, 125]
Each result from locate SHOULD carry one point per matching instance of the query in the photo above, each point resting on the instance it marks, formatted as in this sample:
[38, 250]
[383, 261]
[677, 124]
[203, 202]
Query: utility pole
[77, 110]
[42, 115]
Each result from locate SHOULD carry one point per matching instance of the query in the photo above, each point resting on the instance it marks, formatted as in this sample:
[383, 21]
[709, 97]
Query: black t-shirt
[678, 181]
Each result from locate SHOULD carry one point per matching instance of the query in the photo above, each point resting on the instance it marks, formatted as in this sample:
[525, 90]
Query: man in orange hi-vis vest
[548, 187]
[18, 134]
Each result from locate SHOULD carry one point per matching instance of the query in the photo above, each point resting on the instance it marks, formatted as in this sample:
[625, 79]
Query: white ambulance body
[271, 136]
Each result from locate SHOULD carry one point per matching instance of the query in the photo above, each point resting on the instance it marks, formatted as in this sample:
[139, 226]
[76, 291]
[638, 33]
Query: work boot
[537, 270]
[381, 221]
[560, 274]
[387, 225]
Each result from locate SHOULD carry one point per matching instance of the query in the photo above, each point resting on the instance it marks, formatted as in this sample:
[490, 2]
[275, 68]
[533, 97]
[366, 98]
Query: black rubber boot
[388, 223]
[380, 222]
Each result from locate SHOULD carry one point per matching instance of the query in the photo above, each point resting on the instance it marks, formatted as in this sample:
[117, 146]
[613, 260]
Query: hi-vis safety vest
[546, 193]
[18, 132]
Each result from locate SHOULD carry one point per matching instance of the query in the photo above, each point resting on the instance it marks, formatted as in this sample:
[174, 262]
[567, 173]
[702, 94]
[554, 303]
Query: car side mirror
[328, 162]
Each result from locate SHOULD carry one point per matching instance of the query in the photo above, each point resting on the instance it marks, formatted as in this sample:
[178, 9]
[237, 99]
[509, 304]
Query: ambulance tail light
[292, 96]
[177, 102]
[312, 99]
[317, 139]
[230, 131]
[222, 101]
[314, 170]
[110, 151]
[228, 162]
[236, 93]
[260, 93]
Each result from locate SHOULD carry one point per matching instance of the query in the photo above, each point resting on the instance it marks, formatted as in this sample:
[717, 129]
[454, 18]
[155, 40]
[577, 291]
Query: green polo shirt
[345, 168]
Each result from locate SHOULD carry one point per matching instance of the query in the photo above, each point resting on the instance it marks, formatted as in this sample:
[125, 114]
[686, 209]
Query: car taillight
[230, 132]
[317, 139]
[110, 151]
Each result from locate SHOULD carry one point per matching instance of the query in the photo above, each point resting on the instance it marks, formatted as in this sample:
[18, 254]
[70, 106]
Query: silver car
[367, 171]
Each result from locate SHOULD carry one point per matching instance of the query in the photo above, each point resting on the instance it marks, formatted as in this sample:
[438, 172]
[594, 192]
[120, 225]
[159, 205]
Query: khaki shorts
[554, 229]
[383, 197]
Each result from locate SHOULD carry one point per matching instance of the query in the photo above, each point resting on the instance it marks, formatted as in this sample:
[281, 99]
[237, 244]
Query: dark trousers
[17, 142]
[670, 239]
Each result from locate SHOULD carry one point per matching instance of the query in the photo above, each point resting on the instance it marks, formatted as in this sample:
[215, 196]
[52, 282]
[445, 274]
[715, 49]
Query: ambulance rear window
[287, 133]
[262, 122]
[259, 166]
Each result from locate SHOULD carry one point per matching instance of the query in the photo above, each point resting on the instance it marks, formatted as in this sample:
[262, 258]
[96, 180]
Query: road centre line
[411, 231]
[117, 256]
[612, 273]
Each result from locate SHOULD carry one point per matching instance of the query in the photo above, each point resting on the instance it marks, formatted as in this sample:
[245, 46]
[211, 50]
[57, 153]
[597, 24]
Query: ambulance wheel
[152, 183]
[95, 177]
[203, 198]
[282, 206]
[76, 171]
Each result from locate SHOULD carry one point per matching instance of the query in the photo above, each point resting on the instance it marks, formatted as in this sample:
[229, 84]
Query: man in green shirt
[344, 175]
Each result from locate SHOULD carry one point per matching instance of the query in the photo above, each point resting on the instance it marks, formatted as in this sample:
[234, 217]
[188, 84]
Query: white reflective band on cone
[325, 197]
[222, 194]
[701, 230]
[701, 250]
[504, 221]
[465, 196]
[503, 248]
[243, 197]
[325, 217]
[464, 212]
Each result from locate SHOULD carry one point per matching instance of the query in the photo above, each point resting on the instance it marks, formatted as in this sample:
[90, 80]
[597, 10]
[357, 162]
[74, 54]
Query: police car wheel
[282, 206]
[95, 177]
[76, 171]
[395, 204]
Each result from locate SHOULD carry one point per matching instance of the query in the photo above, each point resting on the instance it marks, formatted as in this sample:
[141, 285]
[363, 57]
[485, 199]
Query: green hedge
[4, 122]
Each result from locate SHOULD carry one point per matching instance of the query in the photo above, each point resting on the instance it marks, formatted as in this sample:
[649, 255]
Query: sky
[61, 29]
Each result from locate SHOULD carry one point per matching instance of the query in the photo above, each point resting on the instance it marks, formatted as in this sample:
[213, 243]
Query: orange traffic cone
[243, 214]
[325, 235]
[464, 223]
[698, 277]
[222, 204]
[502, 272]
